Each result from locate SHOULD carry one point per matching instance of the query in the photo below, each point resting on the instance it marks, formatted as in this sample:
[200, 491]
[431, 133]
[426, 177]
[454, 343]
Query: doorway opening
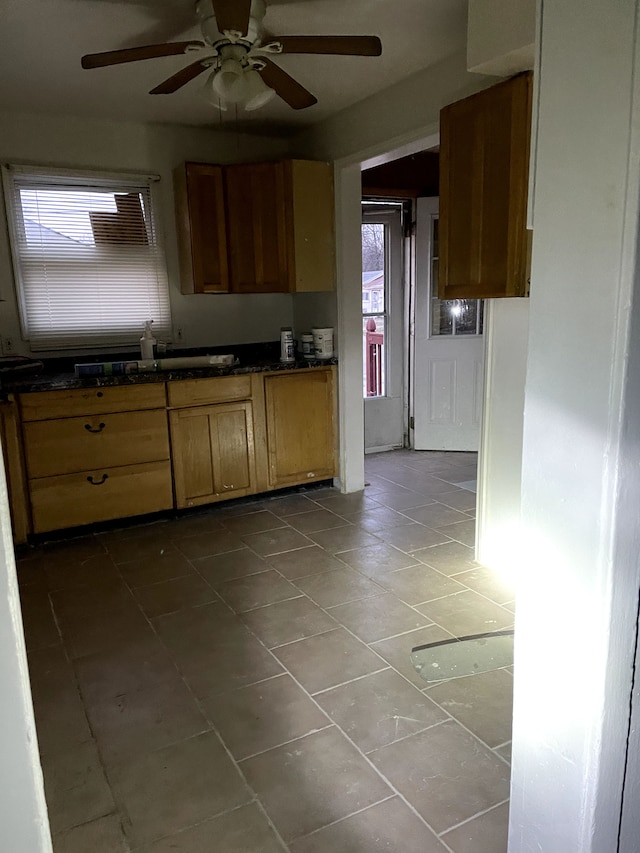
[383, 322]
[423, 358]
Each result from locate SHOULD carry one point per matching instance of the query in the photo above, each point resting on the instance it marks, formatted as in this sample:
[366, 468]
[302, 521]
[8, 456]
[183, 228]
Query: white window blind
[89, 266]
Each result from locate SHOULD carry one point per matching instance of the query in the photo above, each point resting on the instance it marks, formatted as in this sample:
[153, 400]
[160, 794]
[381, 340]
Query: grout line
[473, 817]
[341, 819]
[270, 604]
[350, 681]
[330, 725]
[411, 734]
[145, 844]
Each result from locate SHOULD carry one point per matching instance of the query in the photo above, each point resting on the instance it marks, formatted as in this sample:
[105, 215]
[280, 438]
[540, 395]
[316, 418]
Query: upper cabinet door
[257, 226]
[484, 171]
[202, 234]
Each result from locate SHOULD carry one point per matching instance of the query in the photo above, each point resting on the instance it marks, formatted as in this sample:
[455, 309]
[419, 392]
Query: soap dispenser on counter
[147, 342]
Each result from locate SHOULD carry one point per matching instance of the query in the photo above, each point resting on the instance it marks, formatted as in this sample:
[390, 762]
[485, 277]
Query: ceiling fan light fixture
[258, 94]
[211, 96]
[229, 81]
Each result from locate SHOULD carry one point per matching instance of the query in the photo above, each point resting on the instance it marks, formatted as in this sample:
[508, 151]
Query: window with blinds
[88, 261]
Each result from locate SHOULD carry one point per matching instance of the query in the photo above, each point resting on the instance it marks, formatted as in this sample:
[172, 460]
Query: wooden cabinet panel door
[202, 235]
[300, 427]
[484, 172]
[14, 471]
[257, 228]
[213, 453]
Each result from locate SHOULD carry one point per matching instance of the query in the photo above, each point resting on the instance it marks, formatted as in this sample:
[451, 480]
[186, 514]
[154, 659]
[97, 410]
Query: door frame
[348, 188]
[395, 277]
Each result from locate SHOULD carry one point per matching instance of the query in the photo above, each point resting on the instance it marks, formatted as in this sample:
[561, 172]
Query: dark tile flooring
[239, 679]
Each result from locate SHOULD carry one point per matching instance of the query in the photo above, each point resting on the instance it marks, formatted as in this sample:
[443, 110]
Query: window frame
[377, 217]
[16, 177]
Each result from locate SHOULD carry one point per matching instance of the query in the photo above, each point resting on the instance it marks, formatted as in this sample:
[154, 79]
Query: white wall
[575, 625]
[501, 36]
[412, 106]
[506, 334]
[23, 813]
[207, 320]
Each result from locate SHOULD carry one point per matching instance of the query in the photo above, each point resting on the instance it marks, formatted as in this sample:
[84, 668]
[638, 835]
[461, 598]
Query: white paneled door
[448, 352]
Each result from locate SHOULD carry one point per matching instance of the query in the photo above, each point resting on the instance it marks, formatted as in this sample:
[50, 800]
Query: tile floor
[239, 680]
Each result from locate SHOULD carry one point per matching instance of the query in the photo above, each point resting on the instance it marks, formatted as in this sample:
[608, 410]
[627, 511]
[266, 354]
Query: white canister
[287, 347]
[306, 345]
[323, 342]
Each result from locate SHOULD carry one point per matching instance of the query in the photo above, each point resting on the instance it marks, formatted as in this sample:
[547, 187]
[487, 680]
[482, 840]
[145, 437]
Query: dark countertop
[58, 374]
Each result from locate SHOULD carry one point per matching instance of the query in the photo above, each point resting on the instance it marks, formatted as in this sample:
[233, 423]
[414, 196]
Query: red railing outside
[374, 361]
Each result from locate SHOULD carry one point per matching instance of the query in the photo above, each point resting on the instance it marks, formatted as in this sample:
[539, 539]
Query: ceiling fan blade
[232, 15]
[289, 89]
[133, 54]
[176, 81]
[339, 45]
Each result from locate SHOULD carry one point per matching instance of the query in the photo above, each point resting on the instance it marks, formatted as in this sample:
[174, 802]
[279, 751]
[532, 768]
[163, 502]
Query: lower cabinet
[300, 410]
[213, 453]
[71, 500]
[89, 455]
[96, 454]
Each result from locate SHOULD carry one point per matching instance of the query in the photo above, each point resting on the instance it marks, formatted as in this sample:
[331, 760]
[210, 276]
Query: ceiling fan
[237, 49]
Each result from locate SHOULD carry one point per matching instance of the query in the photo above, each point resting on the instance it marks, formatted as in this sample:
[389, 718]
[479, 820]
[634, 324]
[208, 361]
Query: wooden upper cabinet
[310, 225]
[257, 227]
[484, 173]
[201, 224]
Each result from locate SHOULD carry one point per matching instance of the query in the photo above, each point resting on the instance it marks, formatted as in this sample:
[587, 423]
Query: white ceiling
[41, 42]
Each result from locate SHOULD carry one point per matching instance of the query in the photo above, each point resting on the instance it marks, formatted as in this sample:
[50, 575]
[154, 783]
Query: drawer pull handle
[225, 486]
[97, 482]
[89, 428]
[100, 394]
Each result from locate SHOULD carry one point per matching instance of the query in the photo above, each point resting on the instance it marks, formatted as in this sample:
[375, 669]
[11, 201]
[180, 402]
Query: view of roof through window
[85, 217]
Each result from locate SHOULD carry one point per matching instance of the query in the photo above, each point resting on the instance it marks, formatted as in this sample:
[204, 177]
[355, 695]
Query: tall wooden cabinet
[300, 409]
[256, 227]
[484, 171]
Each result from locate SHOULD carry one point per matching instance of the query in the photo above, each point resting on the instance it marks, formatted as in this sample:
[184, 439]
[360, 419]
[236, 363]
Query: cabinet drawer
[69, 445]
[42, 405]
[100, 495]
[199, 392]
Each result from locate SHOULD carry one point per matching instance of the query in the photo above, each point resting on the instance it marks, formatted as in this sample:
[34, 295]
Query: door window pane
[451, 316]
[374, 307]
[373, 356]
[466, 314]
